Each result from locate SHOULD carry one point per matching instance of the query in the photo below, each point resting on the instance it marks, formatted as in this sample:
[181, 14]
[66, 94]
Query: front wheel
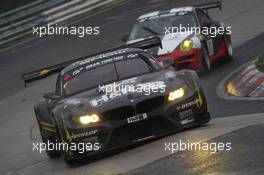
[48, 135]
[65, 150]
[229, 48]
[47, 139]
[67, 158]
[206, 60]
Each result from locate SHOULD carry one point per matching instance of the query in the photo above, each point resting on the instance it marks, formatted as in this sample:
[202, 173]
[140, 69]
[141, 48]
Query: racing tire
[229, 48]
[51, 153]
[205, 60]
[67, 159]
[47, 137]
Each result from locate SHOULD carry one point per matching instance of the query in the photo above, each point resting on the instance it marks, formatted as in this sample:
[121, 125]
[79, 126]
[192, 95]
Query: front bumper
[185, 60]
[163, 118]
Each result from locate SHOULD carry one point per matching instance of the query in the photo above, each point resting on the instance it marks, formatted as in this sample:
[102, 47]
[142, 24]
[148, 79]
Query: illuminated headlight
[186, 45]
[87, 119]
[176, 94]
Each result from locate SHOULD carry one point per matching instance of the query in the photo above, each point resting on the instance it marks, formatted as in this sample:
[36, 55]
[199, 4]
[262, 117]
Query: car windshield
[105, 74]
[156, 26]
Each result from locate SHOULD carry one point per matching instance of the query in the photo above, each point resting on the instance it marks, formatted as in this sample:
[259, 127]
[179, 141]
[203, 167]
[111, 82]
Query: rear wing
[47, 71]
[212, 5]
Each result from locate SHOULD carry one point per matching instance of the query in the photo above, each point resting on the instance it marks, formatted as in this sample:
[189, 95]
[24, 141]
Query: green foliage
[260, 62]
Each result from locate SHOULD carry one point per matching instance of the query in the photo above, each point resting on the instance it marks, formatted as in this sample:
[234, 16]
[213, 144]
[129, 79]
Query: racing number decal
[210, 46]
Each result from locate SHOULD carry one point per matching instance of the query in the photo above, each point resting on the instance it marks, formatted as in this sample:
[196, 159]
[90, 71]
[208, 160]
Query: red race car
[189, 36]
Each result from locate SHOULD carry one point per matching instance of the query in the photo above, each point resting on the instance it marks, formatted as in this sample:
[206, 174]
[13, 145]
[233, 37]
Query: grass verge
[260, 62]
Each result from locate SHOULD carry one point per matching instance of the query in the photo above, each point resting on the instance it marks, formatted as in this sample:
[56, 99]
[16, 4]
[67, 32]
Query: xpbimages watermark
[190, 146]
[64, 30]
[146, 88]
[75, 147]
[212, 31]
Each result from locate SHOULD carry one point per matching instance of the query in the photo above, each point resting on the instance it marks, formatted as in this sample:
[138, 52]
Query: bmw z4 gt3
[116, 99]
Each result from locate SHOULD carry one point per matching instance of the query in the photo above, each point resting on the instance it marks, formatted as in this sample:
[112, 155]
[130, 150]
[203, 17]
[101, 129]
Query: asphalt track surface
[244, 158]
[16, 106]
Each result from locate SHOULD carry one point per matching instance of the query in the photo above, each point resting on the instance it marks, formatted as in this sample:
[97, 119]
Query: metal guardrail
[11, 12]
[37, 8]
[18, 23]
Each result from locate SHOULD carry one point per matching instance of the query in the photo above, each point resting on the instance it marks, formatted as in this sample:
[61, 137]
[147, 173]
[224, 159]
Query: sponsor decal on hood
[114, 91]
[171, 42]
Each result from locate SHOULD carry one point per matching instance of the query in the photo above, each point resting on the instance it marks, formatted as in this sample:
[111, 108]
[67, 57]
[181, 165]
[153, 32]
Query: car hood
[94, 100]
[169, 43]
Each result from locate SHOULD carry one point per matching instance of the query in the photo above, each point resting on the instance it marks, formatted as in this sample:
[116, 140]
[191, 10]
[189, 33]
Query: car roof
[101, 56]
[174, 10]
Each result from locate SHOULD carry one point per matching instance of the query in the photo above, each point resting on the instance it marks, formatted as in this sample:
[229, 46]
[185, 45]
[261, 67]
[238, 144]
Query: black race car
[115, 99]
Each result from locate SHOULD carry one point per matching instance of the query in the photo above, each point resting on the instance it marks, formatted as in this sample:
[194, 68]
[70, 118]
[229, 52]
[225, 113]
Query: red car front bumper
[193, 58]
[185, 60]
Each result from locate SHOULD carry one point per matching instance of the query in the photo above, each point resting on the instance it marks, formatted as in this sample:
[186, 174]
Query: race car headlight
[87, 119]
[186, 45]
[176, 94]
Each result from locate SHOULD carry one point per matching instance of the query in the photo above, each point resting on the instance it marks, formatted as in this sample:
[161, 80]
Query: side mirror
[168, 63]
[51, 96]
[124, 38]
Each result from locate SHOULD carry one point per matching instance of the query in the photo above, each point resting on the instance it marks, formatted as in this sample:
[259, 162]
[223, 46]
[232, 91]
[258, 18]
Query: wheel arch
[44, 118]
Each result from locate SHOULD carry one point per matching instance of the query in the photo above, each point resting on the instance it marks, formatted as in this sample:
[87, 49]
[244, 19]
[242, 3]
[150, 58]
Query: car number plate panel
[137, 118]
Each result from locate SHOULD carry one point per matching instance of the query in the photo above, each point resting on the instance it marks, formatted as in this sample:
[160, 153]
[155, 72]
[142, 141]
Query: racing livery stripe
[48, 129]
[47, 124]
